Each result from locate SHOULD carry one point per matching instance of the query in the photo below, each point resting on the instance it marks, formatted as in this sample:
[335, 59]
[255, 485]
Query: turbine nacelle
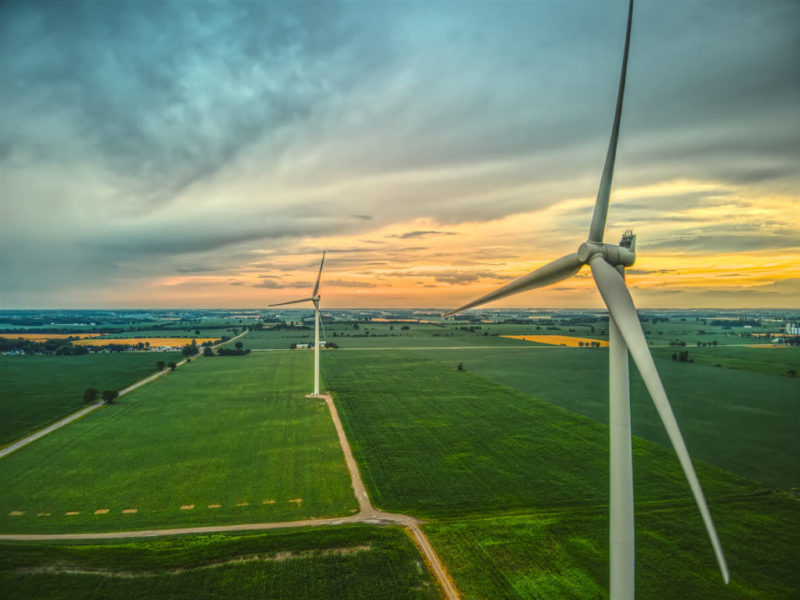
[613, 255]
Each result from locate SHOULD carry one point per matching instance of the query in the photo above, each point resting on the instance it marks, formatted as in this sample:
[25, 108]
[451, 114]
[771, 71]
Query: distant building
[792, 329]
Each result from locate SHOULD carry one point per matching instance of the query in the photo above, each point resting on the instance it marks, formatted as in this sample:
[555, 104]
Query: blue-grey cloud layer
[139, 138]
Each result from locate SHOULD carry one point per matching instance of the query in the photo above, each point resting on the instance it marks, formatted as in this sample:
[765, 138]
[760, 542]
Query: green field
[515, 490]
[37, 390]
[735, 418]
[435, 441]
[355, 562]
[564, 554]
[220, 431]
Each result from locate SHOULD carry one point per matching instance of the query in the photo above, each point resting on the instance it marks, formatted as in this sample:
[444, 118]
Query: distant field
[380, 336]
[354, 562]
[37, 390]
[740, 420]
[221, 440]
[559, 340]
[41, 337]
[564, 554]
[434, 441]
[154, 342]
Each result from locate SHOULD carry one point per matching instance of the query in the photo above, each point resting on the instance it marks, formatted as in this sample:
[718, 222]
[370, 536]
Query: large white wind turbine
[608, 262]
[315, 299]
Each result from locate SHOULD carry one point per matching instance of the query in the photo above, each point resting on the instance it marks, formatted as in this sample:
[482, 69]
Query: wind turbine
[608, 262]
[315, 299]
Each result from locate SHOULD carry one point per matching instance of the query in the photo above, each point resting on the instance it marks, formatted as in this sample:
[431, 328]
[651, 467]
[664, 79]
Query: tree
[197, 332]
[460, 366]
[207, 351]
[160, 365]
[109, 396]
[90, 395]
[172, 366]
[238, 345]
[791, 373]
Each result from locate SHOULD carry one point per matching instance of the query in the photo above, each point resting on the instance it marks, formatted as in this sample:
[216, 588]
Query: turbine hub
[613, 255]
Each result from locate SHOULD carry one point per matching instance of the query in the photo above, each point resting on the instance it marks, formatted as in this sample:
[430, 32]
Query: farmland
[436, 441]
[38, 390]
[515, 489]
[745, 399]
[153, 342]
[357, 562]
[221, 440]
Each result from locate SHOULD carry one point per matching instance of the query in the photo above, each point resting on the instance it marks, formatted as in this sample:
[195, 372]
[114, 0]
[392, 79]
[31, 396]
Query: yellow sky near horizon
[425, 263]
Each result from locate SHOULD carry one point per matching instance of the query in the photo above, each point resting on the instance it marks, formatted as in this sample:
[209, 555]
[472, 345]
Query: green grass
[37, 390]
[515, 490]
[564, 555]
[739, 420]
[222, 430]
[435, 441]
[356, 562]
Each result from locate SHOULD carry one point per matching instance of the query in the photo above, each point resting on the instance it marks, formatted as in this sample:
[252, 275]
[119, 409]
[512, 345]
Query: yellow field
[556, 340]
[767, 346]
[173, 342]
[42, 337]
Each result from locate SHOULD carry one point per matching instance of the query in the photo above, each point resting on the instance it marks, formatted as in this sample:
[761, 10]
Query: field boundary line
[37, 435]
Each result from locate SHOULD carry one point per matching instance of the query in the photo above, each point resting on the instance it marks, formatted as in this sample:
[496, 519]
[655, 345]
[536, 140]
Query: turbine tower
[315, 299]
[608, 262]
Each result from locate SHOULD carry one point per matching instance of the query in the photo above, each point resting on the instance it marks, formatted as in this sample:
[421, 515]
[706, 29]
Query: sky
[203, 154]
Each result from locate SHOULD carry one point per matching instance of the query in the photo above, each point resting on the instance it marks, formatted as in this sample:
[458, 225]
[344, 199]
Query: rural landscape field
[477, 428]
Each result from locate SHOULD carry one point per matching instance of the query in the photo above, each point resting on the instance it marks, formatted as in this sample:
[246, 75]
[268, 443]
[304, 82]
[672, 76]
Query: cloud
[417, 234]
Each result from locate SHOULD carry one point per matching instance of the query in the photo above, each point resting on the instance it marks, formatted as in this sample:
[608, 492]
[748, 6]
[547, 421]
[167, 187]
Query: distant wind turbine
[608, 262]
[315, 299]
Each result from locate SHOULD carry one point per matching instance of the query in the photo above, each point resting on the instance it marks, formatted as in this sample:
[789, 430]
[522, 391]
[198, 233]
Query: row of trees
[90, 395]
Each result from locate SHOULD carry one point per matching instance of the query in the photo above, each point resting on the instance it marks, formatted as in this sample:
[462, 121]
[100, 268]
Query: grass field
[740, 420]
[37, 390]
[435, 441]
[231, 437]
[354, 562]
[515, 490]
[564, 555]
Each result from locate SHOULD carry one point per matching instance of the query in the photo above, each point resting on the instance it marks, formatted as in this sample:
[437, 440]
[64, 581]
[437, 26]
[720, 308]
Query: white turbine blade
[292, 302]
[598, 225]
[620, 304]
[316, 285]
[559, 269]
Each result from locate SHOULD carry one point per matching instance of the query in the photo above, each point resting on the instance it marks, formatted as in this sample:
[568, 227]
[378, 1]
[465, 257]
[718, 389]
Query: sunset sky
[203, 154]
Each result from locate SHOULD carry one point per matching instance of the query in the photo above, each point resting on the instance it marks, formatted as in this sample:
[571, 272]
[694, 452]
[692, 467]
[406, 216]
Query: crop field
[435, 441]
[221, 440]
[739, 420]
[564, 554]
[41, 337]
[154, 342]
[375, 336]
[559, 340]
[354, 562]
[37, 390]
[515, 490]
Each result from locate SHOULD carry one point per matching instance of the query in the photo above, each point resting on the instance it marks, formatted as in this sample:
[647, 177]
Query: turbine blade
[291, 302]
[620, 304]
[316, 285]
[559, 269]
[598, 225]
